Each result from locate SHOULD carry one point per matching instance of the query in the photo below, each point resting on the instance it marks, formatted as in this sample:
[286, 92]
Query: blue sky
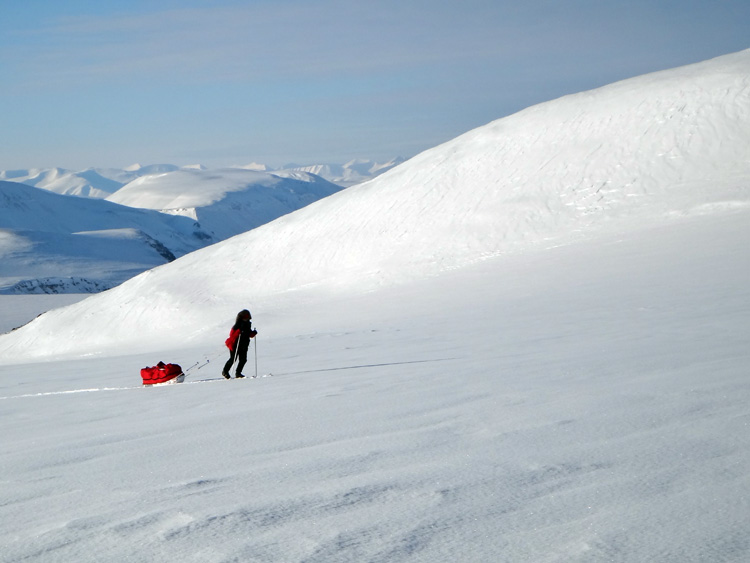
[91, 83]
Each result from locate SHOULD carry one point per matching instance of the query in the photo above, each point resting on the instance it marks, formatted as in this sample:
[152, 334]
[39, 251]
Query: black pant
[241, 360]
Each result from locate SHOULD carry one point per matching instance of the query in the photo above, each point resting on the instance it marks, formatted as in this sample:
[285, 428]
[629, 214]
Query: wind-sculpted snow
[225, 202]
[642, 152]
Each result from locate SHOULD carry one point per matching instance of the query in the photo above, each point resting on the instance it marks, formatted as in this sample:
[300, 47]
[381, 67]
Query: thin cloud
[254, 42]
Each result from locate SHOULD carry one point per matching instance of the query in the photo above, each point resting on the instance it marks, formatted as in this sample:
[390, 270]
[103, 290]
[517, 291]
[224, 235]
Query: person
[238, 342]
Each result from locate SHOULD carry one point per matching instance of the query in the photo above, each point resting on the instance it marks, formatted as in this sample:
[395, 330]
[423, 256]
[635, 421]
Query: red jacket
[234, 334]
[242, 332]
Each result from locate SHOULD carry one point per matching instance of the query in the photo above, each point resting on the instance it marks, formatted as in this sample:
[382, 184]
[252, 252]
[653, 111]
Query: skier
[238, 342]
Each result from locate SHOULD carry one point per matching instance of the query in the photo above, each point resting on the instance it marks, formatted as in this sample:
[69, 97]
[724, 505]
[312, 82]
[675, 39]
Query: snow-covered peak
[95, 183]
[186, 188]
[351, 173]
[253, 166]
[88, 183]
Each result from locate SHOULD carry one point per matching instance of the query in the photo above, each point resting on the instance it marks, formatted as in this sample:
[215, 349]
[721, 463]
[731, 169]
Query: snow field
[581, 403]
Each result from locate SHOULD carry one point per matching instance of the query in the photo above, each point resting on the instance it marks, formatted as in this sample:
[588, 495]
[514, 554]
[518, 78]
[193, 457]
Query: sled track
[217, 379]
[103, 389]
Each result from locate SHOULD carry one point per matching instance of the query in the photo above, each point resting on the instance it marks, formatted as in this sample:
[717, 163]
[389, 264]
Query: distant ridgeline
[56, 285]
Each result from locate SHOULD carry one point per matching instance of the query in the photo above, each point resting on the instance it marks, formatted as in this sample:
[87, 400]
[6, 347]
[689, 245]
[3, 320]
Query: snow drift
[637, 153]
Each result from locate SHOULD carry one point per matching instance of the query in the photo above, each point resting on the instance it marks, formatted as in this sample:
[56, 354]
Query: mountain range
[103, 182]
[52, 243]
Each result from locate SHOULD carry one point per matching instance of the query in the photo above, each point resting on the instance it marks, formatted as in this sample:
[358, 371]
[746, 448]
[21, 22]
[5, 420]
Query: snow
[55, 243]
[94, 183]
[225, 202]
[100, 183]
[527, 344]
[350, 173]
[562, 412]
[564, 171]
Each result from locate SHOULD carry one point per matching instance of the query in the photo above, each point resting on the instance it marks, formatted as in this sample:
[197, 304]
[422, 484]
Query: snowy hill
[51, 243]
[225, 202]
[633, 154]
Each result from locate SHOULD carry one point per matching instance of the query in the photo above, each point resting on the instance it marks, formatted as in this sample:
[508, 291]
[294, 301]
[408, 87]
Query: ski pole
[206, 360]
[255, 348]
[235, 353]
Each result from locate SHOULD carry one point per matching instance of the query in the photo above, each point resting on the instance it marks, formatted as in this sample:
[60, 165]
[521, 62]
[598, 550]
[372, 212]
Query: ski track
[101, 389]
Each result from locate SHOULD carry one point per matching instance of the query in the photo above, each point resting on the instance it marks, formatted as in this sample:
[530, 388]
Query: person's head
[244, 315]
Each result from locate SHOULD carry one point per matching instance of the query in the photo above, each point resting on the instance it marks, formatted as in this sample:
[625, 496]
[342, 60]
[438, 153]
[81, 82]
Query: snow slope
[644, 151]
[51, 243]
[225, 202]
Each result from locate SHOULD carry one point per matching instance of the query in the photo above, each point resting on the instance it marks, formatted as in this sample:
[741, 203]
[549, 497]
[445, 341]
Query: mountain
[87, 183]
[103, 182]
[642, 152]
[93, 182]
[59, 244]
[225, 202]
[351, 173]
[51, 243]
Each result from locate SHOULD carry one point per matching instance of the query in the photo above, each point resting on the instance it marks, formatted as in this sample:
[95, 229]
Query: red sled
[162, 373]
